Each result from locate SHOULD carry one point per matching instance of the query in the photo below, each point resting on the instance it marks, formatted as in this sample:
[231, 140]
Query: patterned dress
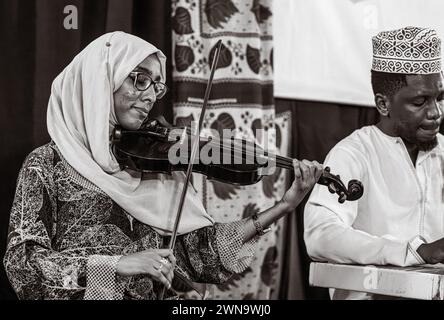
[66, 236]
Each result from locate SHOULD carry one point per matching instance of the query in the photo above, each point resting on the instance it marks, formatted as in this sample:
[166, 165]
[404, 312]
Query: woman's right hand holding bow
[157, 263]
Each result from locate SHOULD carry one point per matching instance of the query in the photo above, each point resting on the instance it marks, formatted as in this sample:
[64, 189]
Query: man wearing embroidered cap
[400, 160]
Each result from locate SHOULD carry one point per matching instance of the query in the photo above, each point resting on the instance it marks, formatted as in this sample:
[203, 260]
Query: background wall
[323, 47]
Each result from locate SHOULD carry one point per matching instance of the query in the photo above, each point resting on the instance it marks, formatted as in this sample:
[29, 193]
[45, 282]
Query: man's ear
[382, 104]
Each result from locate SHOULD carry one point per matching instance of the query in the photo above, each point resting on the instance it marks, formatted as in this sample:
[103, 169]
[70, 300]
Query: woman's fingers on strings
[319, 169]
[297, 169]
[310, 168]
[315, 169]
[305, 169]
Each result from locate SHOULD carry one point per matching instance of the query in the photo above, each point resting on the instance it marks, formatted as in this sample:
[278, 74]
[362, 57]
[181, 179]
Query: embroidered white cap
[410, 50]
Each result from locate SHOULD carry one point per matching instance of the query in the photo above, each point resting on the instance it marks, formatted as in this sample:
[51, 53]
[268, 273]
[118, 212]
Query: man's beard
[427, 145]
[412, 139]
[422, 145]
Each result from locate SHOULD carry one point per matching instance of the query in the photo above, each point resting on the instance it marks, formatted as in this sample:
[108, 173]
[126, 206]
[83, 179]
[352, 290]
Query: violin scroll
[353, 192]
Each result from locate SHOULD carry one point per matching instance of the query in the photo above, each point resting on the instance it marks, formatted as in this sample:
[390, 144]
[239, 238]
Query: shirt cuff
[235, 255]
[101, 281]
[412, 253]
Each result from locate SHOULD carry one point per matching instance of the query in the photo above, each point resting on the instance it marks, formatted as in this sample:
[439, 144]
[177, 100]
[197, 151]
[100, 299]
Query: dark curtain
[35, 47]
[316, 128]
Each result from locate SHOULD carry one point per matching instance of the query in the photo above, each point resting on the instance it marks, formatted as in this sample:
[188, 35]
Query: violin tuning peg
[342, 197]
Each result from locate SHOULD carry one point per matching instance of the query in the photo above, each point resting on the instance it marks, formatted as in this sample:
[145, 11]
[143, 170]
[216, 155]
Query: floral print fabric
[58, 223]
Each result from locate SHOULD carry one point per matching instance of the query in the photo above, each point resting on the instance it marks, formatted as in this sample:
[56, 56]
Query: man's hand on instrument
[157, 263]
[432, 252]
[306, 173]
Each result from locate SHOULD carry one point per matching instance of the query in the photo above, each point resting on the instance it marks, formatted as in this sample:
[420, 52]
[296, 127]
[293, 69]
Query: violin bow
[194, 150]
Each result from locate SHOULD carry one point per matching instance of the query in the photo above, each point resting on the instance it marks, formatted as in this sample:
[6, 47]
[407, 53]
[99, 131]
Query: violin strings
[246, 149]
[249, 145]
[283, 162]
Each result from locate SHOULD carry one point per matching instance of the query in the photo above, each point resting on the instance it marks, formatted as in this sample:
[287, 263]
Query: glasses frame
[136, 74]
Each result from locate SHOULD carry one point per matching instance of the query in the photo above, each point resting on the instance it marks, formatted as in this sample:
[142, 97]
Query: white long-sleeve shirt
[401, 204]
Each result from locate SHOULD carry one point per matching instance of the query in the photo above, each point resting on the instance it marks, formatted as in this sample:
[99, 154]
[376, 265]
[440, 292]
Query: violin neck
[287, 163]
[281, 162]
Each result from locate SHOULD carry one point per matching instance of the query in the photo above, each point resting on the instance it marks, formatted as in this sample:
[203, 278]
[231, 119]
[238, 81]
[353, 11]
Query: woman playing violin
[82, 227]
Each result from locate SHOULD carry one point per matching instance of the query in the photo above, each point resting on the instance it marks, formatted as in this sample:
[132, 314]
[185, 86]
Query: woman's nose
[149, 95]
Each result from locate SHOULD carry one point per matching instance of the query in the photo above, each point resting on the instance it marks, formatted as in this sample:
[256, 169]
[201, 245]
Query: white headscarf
[80, 113]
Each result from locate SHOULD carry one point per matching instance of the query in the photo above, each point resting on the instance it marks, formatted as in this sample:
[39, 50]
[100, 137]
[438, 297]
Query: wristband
[259, 228]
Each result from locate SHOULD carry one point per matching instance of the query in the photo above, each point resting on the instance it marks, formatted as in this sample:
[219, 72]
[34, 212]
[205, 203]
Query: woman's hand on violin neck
[157, 263]
[306, 173]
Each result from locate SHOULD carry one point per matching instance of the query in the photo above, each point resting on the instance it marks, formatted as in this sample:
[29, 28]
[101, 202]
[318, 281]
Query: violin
[161, 148]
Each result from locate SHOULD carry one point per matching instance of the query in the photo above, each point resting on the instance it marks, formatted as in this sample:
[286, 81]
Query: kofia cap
[410, 50]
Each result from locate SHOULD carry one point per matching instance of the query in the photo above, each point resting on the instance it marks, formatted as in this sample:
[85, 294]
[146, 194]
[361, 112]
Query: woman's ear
[382, 104]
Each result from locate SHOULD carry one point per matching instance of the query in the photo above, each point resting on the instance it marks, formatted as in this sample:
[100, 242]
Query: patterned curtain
[241, 100]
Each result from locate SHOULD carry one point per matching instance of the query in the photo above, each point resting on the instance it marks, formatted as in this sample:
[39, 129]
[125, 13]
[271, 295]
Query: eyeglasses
[142, 82]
